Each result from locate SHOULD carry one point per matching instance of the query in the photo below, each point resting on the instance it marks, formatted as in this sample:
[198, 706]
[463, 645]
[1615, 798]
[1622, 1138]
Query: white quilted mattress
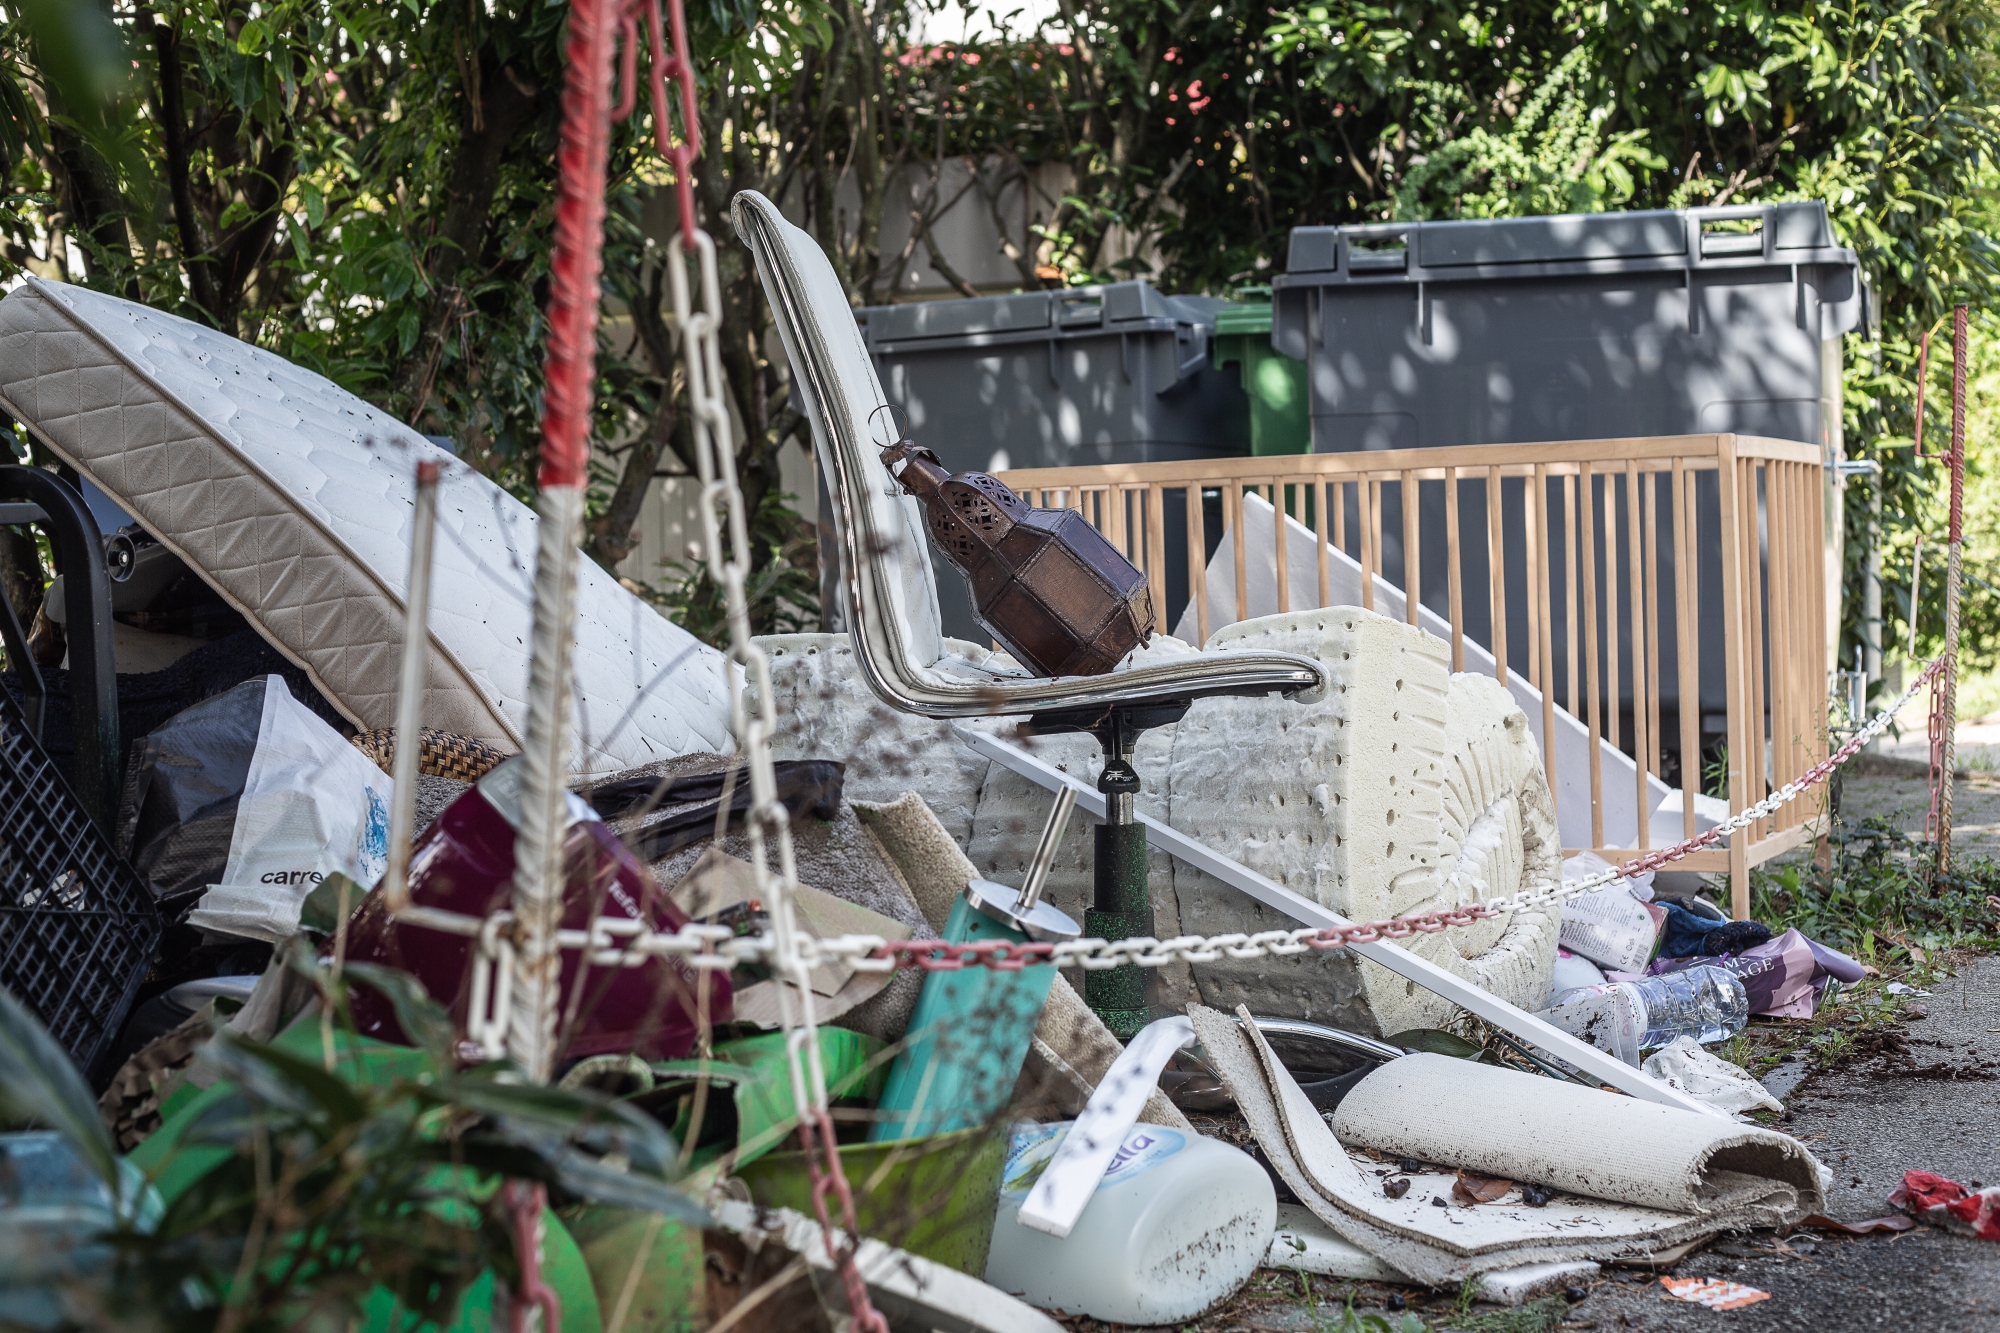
[293, 498]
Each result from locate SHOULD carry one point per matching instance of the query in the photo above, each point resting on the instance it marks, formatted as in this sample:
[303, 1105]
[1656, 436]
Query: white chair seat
[891, 600]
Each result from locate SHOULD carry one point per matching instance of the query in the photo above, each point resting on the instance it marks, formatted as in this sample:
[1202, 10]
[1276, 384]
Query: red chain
[524, 1204]
[940, 956]
[678, 70]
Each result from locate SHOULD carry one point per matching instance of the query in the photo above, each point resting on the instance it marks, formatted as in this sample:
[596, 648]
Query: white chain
[621, 942]
[725, 522]
[615, 942]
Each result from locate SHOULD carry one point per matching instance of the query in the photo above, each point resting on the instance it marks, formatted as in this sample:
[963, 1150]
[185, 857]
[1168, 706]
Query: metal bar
[1368, 507]
[1413, 573]
[1197, 525]
[1569, 488]
[1521, 458]
[1232, 514]
[1543, 1036]
[1280, 543]
[409, 698]
[1156, 547]
[1454, 574]
[1947, 688]
[1639, 604]
[1687, 667]
[1539, 603]
[1784, 613]
[1496, 573]
[1649, 551]
[1320, 556]
[1612, 666]
[1734, 617]
[1813, 548]
[1756, 648]
[1587, 520]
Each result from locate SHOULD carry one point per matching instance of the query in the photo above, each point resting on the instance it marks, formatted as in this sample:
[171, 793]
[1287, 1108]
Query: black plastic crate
[77, 924]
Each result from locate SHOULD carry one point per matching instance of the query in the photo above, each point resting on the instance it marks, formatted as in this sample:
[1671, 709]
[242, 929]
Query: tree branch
[170, 105]
[487, 123]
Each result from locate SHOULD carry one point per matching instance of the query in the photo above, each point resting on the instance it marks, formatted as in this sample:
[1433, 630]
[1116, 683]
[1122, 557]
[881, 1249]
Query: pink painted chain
[613, 943]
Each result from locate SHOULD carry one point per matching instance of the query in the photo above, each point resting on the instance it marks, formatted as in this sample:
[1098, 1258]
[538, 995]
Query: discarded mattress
[293, 499]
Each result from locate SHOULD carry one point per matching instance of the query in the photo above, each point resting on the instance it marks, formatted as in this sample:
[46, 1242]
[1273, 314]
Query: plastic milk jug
[1178, 1222]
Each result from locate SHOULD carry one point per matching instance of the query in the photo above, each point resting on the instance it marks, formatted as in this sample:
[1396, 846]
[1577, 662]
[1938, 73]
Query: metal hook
[899, 426]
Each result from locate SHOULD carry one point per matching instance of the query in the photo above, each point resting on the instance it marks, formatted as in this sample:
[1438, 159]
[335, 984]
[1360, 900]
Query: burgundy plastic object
[1045, 583]
[464, 862]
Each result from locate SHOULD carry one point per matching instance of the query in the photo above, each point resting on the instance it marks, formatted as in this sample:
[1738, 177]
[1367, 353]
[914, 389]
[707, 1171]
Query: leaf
[253, 38]
[423, 1020]
[1474, 1187]
[1436, 1041]
[590, 1177]
[320, 912]
[277, 1078]
[39, 1082]
[572, 1115]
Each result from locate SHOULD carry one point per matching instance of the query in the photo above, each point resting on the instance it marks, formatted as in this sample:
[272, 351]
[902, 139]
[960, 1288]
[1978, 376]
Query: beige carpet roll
[1574, 1138]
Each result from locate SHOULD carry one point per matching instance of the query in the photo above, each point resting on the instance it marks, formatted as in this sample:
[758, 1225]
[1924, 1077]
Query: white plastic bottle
[1627, 1017]
[1178, 1223]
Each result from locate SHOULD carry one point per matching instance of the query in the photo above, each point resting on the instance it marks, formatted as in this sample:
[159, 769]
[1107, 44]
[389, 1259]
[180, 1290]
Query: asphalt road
[1870, 1122]
[1975, 807]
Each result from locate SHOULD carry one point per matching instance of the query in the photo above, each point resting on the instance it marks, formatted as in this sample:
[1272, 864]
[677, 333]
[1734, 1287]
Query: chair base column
[1123, 908]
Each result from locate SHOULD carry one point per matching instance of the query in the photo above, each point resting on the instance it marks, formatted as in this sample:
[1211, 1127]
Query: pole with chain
[1944, 697]
[570, 369]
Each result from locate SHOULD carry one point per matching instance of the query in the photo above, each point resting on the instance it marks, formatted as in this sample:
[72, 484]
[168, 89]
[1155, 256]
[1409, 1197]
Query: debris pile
[857, 1089]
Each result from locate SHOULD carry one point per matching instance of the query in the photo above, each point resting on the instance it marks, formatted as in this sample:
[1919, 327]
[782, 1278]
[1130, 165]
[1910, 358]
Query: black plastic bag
[187, 778]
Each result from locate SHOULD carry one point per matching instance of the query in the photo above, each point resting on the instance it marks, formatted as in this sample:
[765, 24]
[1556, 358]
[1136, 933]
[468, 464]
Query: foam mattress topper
[294, 500]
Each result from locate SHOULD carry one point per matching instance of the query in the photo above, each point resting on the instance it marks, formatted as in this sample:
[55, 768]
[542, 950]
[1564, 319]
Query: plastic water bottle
[1707, 1003]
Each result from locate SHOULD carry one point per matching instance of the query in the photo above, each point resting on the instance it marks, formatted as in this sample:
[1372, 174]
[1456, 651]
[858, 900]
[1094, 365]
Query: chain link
[725, 526]
[625, 943]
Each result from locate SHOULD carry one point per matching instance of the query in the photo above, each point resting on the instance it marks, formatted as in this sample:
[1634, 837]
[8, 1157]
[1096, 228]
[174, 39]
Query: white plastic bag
[312, 805]
[1615, 927]
[1707, 1076]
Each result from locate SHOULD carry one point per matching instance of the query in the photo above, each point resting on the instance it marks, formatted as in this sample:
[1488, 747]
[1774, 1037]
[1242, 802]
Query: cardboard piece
[720, 881]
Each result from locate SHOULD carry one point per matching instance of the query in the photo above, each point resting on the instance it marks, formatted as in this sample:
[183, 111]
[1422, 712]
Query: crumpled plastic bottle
[1707, 1003]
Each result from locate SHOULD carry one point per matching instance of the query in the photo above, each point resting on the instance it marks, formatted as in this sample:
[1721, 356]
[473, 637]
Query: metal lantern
[1045, 584]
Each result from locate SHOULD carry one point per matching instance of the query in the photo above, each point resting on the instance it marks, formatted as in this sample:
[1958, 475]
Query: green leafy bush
[315, 1181]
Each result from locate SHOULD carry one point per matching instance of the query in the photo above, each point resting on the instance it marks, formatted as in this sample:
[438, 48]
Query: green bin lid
[1249, 313]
